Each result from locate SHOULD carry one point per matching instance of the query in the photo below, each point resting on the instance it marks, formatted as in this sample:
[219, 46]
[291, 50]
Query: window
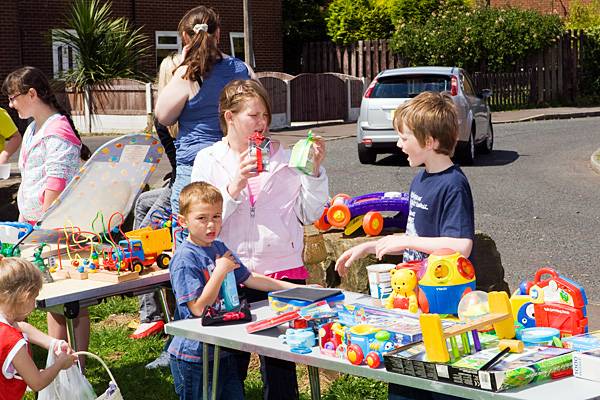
[167, 43]
[236, 41]
[63, 56]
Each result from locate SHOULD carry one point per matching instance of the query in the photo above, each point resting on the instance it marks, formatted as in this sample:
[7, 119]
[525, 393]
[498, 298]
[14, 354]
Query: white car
[392, 87]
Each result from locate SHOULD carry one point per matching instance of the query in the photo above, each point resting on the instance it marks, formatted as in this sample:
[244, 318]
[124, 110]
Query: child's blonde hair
[19, 280]
[198, 192]
[236, 93]
[165, 73]
[432, 115]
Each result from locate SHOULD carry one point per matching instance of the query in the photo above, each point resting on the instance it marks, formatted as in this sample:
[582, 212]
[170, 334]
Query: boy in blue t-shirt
[441, 211]
[198, 268]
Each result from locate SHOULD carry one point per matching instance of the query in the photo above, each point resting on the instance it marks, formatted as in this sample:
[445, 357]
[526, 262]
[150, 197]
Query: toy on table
[434, 336]
[213, 316]
[368, 343]
[447, 277]
[540, 336]
[148, 246]
[473, 305]
[11, 235]
[302, 157]
[404, 283]
[583, 342]
[283, 301]
[259, 146]
[300, 341]
[380, 278]
[557, 302]
[352, 213]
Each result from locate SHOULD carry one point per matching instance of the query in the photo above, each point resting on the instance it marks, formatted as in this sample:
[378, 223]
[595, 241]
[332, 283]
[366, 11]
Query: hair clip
[200, 27]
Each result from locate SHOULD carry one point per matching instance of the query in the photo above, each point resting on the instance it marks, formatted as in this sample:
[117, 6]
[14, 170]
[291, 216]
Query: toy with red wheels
[352, 213]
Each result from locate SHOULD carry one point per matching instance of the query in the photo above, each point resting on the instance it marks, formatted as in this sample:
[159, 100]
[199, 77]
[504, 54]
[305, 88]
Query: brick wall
[560, 7]
[26, 25]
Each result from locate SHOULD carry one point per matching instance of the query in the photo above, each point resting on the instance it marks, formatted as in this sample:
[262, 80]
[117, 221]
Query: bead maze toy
[557, 302]
[365, 211]
[435, 337]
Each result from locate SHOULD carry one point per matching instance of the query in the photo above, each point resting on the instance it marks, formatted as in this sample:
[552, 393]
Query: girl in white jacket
[263, 213]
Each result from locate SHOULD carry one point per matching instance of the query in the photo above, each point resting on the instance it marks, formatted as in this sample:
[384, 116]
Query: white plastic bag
[69, 384]
[112, 392]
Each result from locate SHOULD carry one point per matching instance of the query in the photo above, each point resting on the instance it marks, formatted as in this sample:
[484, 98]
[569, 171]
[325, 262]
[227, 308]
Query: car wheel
[366, 155]
[487, 145]
[467, 155]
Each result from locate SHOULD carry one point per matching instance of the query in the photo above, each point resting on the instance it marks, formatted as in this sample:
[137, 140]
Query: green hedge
[590, 82]
[479, 39]
[349, 21]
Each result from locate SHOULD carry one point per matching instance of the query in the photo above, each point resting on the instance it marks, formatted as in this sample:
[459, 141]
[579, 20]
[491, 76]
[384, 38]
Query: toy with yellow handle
[434, 337]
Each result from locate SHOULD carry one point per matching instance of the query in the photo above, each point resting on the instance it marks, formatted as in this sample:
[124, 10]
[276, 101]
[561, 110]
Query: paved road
[535, 195]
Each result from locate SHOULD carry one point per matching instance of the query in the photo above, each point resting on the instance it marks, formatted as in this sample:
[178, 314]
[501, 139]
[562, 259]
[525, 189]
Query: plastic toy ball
[473, 305]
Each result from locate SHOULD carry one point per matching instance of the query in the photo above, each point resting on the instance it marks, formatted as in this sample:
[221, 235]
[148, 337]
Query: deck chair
[109, 182]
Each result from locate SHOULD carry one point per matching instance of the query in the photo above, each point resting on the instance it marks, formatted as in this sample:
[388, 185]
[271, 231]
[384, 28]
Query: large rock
[322, 249]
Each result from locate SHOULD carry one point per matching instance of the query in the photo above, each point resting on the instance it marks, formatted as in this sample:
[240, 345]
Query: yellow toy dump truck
[147, 246]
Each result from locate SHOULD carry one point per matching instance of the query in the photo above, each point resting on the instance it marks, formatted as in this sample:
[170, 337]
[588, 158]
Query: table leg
[204, 371]
[165, 306]
[71, 333]
[315, 384]
[215, 378]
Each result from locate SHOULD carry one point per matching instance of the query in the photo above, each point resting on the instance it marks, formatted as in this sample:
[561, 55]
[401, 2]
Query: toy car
[353, 212]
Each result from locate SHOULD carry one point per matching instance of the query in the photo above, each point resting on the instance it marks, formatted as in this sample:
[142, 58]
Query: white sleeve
[314, 194]
[202, 171]
[7, 368]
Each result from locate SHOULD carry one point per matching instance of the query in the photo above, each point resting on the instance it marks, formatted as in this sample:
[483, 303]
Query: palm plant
[106, 48]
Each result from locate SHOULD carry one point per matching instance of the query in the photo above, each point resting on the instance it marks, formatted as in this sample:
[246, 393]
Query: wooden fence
[550, 76]
[306, 97]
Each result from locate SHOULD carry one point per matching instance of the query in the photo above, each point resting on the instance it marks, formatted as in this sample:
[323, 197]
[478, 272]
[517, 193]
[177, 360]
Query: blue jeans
[187, 377]
[182, 179]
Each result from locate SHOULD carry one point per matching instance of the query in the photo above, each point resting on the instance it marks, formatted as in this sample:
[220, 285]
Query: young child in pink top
[50, 156]
[263, 213]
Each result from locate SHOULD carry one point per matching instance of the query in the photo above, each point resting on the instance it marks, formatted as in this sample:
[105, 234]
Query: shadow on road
[495, 158]
[397, 159]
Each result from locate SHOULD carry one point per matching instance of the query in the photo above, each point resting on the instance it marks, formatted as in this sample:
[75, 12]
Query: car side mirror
[485, 93]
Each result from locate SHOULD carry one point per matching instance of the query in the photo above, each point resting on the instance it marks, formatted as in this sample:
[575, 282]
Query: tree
[303, 21]
[106, 48]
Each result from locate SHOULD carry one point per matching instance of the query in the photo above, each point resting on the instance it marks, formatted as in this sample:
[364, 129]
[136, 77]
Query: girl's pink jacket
[269, 236]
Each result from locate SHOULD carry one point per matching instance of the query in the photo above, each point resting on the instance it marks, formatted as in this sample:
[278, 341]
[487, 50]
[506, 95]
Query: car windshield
[408, 86]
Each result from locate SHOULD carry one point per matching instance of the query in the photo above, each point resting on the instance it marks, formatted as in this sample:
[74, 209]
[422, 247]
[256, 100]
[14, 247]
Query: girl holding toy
[191, 98]
[263, 213]
[20, 283]
[50, 157]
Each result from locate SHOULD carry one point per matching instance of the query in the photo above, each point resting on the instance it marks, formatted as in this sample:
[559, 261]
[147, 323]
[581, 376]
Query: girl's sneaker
[147, 328]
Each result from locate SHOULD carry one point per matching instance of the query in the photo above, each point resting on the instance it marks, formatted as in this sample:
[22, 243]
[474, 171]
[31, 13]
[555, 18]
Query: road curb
[545, 117]
[595, 161]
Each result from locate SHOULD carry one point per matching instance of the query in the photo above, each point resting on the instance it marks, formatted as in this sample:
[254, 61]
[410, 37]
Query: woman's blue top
[199, 120]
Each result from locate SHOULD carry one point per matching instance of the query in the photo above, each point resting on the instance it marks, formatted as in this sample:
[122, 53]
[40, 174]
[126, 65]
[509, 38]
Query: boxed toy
[583, 342]
[283, 301]
[514, 370]
[380, 284]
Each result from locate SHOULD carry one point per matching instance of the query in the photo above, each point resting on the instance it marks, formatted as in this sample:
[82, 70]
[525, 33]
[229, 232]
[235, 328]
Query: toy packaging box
[514, 370]
[586, 364]
[583, 342]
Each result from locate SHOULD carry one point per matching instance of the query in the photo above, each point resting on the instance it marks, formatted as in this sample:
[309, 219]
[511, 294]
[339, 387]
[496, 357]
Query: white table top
[266, 343]
[63, 291]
